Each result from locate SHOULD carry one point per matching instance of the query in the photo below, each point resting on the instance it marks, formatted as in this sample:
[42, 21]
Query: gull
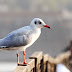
[62, 68]
[23, 38]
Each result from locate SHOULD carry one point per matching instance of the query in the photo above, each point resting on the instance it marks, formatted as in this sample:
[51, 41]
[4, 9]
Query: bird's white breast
[34, 36]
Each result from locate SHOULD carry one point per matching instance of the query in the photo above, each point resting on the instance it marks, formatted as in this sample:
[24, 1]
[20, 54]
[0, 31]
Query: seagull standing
[22, 38]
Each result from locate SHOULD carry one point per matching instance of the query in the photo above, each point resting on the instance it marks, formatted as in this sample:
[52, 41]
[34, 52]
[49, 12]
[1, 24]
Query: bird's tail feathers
[3, 47]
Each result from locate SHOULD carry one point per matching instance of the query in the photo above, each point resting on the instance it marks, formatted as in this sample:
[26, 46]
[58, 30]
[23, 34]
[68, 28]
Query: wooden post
[42, 65]
[31, 66]
[27, 68]
[70, 59]
[46, 63]
[54, 67]
[38, 57]
[45, 57]
[49, 65]
[20, 69]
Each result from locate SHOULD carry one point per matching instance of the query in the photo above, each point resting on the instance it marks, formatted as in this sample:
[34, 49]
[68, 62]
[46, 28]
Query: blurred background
[18, 13]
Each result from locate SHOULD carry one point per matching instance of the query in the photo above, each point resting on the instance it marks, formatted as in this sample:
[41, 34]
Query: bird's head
[39, 23]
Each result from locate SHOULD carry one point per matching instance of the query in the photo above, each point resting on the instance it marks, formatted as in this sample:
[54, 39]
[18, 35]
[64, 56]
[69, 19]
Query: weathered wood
[38, 57]
[62, 56]
[54, 67]
[27, 68]
[20, 69]
[32, 64]
[46, 56]
[58, 59]
[44, 63]
[44, 66]
[49, 67]
[45, 59]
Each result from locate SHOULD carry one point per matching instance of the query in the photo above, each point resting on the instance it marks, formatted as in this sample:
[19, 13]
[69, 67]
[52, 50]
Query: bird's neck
[34, 28]
[37, 29]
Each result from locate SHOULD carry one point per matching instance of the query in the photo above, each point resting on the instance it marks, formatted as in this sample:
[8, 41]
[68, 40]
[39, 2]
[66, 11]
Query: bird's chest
[34, 36]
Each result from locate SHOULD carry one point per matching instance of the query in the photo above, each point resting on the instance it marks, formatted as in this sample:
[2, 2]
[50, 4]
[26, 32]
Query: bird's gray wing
[16, 38]
[19, 32]
[16, 42]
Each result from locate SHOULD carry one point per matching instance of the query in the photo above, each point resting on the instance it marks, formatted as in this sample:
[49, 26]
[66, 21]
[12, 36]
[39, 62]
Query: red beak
[46, 26]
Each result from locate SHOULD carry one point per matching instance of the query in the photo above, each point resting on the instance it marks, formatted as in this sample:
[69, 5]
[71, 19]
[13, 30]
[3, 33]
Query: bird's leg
[17, 58]
[24, 58]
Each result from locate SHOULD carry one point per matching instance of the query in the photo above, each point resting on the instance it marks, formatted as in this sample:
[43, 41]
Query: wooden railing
[40, 62]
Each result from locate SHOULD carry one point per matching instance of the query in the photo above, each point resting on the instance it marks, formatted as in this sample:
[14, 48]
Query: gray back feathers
[16, 38]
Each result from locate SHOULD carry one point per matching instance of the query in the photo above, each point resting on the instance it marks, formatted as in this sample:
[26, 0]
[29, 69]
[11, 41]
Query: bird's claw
[21, 64]
[26, 63]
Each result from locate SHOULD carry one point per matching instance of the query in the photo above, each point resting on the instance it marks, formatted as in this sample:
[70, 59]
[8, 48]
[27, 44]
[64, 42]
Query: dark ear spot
[39, 22]
[35, 22]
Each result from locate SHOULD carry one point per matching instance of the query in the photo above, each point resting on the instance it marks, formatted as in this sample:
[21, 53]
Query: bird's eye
[35, 22]
[39, 22]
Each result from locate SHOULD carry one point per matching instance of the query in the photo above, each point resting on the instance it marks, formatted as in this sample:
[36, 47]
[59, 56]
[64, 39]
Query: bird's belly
[33, 39]
[23, 48]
